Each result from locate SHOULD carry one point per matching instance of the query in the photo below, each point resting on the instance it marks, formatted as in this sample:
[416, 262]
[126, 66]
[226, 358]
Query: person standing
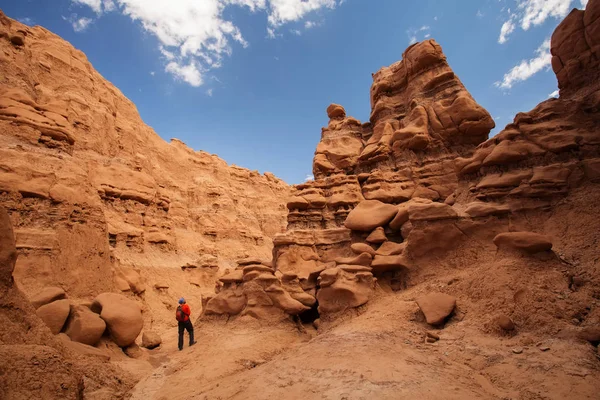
[184, 322]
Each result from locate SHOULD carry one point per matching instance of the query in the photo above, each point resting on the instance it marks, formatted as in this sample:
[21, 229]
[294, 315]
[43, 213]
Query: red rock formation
[420, 179]
[92, 191]
[422, 119]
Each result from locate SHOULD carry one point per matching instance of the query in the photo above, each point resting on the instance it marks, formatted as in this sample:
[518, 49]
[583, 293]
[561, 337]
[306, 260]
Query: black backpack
[179, 314]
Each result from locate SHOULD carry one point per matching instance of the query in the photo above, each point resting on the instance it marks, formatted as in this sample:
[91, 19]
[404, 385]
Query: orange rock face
[421, 178]
[93, 191]
[422, 118]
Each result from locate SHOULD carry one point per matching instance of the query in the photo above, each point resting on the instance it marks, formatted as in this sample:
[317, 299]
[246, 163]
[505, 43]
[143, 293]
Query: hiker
[183, 318]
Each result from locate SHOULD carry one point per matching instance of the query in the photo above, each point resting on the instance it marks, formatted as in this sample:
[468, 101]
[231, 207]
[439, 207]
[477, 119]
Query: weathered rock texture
[372, 179]
[419, 186]
[33, 362]
[92, 191]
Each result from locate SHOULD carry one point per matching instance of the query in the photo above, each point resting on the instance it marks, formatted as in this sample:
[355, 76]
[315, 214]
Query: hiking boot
[193, 343]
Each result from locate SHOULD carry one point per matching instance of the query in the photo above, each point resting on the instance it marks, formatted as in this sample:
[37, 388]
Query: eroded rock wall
[99, 202]
[418, 190]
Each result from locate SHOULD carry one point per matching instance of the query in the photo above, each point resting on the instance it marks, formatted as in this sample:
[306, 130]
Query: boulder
[54, 314]
[84, 326]
[528, 242]
[377, 236]
[360, 248]
[391, 249]
[389, 263]
[362, 259]
[436, 307]
[370, 214]
[123, 317]
[17, 39]
[335, 111]
[505, 323]
[47, 295]
[151, 339]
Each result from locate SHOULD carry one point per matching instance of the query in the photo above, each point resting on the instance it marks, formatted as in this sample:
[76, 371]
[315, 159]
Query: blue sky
[249, 80]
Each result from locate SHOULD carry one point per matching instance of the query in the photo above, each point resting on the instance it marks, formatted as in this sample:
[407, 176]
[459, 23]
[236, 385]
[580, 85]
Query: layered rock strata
[94, 193]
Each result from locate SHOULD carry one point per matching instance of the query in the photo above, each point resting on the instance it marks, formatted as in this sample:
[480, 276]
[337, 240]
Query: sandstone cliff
[99, 202]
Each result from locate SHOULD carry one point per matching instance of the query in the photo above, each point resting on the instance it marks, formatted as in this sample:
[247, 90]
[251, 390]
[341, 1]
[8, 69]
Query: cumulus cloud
[309, 177]
[189, 73]
[527, 68]
[535, 12]
[195, 35]
[554, 94]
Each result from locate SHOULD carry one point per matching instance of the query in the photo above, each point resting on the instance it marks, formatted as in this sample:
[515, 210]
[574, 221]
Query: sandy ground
[380, 353]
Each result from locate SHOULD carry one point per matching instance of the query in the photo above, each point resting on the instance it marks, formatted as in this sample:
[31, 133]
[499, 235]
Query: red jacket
[186, 310]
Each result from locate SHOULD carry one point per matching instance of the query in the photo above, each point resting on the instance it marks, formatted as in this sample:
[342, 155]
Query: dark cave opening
[309, 316]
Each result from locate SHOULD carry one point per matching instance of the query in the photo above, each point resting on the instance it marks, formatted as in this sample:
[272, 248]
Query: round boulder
[123, 317]
[370, 214]
[55, 314]
[151, 340]
[335, 111]
[505, 323]
[85, 326]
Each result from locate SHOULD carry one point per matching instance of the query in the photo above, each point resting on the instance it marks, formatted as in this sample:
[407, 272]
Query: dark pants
[187, 325]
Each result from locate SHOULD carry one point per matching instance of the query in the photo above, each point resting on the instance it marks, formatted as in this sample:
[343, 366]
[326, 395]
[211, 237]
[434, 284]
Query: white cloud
[554, 94]
[188, 73]
[26, 21]
[209, 92]
[310, 24]
[284, 11]
[309, 177]
[152, 73]
[533, 13]
[584, 3]
[413, 34]
[79, 24]
[195, 35]
[527, 68]
[98, 6]
[507, 28]
[296, 32]
[479, 14]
